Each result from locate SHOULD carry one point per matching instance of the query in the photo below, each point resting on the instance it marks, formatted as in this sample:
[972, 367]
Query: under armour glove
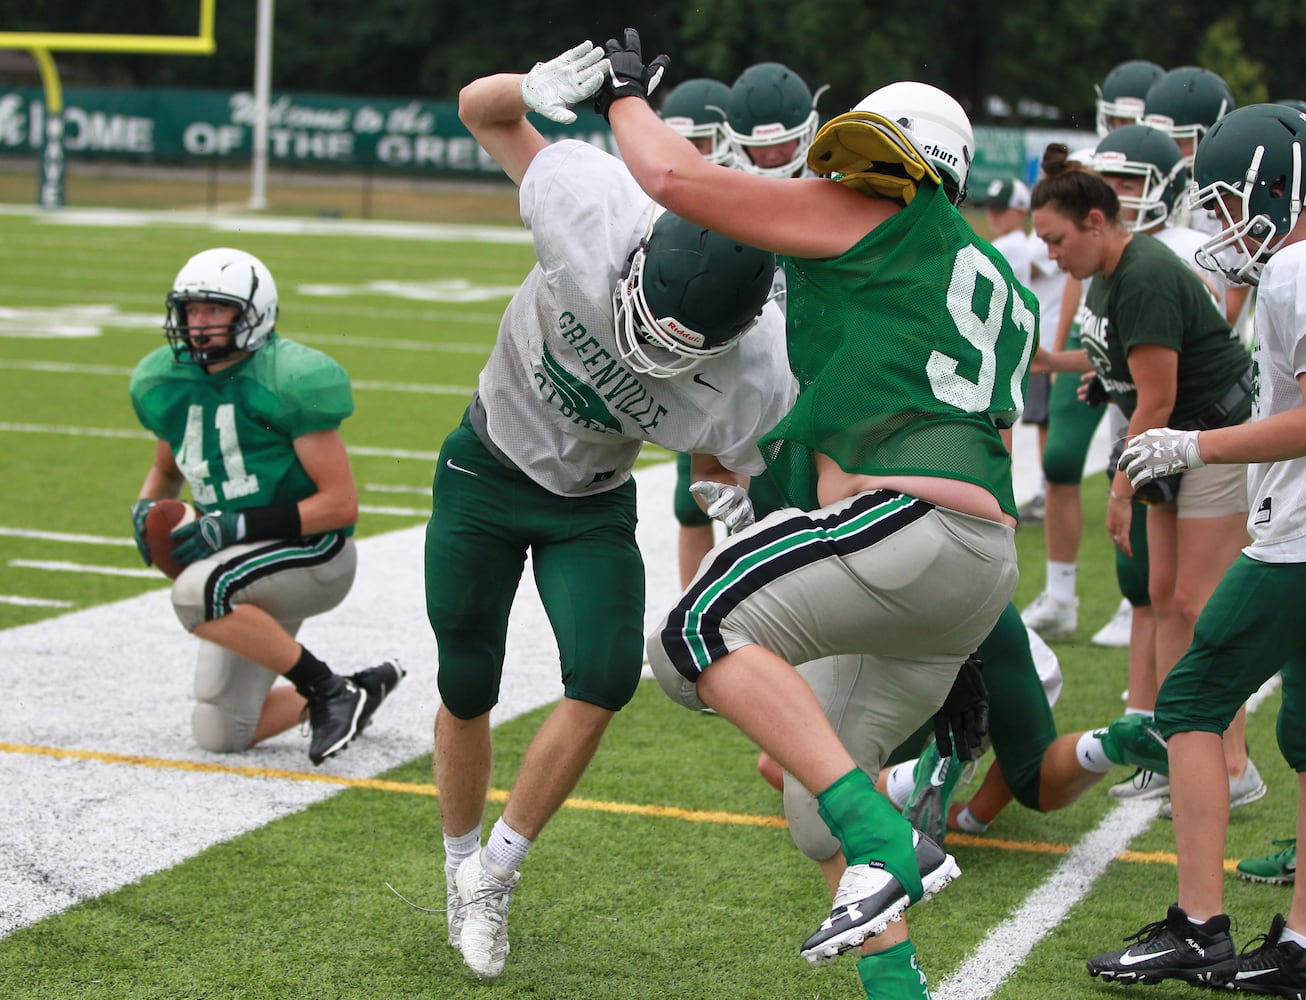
[1161, 451]
[575, 76]
[627, 75]
[726, 503]
[139, 509]
[206, 535]
[962, 723]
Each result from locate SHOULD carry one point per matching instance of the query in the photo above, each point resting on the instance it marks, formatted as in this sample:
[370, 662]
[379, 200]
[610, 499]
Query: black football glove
[962, 723]
[627, 75]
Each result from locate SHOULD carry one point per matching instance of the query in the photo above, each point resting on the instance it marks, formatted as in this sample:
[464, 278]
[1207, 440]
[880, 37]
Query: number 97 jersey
[911, 351]
[233, 431]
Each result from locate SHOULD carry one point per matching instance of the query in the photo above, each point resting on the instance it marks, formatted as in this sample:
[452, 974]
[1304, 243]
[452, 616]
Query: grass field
[669, 876]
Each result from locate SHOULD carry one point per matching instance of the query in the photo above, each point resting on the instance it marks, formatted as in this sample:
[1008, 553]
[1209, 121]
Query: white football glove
[570, 78]
[1161, 451]
[725, 503]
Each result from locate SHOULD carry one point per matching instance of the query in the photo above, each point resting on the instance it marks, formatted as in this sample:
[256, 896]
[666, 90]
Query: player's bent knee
[218, 731]
[188, 597]
[809, 832]
[678, 688]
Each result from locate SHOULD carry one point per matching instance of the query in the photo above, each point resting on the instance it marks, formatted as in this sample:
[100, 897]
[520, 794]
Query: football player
[250, 422]
[1121, 97]
[1249, 172]
[875, 526]
[633, 326]
[771, 120]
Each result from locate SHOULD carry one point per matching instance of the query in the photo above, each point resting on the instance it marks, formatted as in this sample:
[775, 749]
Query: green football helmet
[687, 294]
[1249, 175]
[770, 105]
[1186, 102]
[1146, 152]
[1120, 97]
[697, 110]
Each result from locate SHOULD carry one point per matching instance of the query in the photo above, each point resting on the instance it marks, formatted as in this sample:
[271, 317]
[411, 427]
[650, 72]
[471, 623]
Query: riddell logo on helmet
[765, 131]
[940, 153]
[683, 334]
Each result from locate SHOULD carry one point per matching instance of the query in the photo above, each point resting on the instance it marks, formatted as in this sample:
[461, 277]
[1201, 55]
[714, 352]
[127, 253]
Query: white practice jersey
[1277, 490]
[559, 401]
[1185, 242]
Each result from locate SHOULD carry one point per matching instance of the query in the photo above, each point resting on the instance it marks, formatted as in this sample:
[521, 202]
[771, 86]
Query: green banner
[322, 131]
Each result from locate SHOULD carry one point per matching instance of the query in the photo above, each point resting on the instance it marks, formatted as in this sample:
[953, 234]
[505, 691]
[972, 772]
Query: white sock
[1091, 754]
[900, 783]
[459, 849]
[968, 821]
[505, 850]
[1137, 711]
[1291, 935]
[1061, 581]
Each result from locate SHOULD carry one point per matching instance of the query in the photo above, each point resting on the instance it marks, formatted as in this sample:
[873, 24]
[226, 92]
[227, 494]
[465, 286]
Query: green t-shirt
[233, 431]
[1153, 297]
[910, 351]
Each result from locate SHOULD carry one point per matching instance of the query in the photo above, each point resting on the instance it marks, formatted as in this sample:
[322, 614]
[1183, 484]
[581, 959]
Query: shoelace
[1148, 933]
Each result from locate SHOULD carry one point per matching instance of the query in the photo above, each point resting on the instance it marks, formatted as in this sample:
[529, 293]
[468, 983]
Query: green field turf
[652, 901]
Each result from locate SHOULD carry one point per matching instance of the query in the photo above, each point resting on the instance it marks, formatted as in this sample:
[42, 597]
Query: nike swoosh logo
[1128, 959]
[459, 468]
[1253, 973]
[702, 381]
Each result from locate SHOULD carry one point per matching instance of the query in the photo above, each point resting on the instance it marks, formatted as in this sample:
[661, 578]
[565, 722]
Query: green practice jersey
[233, 432]
[911, 350]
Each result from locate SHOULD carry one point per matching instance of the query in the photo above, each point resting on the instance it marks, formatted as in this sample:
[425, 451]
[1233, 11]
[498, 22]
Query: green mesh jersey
[910, 351]
[233, 431]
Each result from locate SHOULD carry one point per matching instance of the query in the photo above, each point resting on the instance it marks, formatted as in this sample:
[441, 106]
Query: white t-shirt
[1185, 242]
[559, 401]
[1277, 490]
[1016, 247]
[1048, 282]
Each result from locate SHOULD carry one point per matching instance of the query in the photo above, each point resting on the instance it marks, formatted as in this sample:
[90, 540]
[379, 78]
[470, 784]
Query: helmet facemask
[1248, 238]
[1150, 206]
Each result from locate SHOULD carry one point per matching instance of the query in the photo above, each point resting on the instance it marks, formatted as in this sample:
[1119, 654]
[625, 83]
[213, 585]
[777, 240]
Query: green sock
[870, 830]
[893, 974]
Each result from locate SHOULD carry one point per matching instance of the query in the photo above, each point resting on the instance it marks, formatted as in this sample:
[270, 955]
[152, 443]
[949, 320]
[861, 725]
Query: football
[159, 522]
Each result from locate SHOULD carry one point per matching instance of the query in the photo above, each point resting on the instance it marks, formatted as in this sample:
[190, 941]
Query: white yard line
[58, 566]
[61, 536]
[1005, 948]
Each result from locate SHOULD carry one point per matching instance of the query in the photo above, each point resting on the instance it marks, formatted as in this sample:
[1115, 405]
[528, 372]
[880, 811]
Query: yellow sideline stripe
[955, 839]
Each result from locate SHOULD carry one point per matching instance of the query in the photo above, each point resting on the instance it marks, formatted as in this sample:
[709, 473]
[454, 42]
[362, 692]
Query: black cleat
[377, 683]
[1276, 968]
[333, 713]
[1173, 948]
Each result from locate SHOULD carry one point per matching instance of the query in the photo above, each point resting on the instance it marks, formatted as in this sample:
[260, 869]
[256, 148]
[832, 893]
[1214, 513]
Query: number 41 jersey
[911, 350]
[233, 432]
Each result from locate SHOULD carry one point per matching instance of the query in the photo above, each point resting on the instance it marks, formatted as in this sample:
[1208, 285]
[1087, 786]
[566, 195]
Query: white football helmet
[231, 277]
[939, 125]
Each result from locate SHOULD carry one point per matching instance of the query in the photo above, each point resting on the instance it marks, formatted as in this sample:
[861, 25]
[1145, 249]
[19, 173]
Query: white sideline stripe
[113, 432]
[396, 511]
[104, 432]
[33, 602]
[281, 225]
[1005, 948]
[66, 368]
[71, 567]
[60, 536]
[387, 488]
